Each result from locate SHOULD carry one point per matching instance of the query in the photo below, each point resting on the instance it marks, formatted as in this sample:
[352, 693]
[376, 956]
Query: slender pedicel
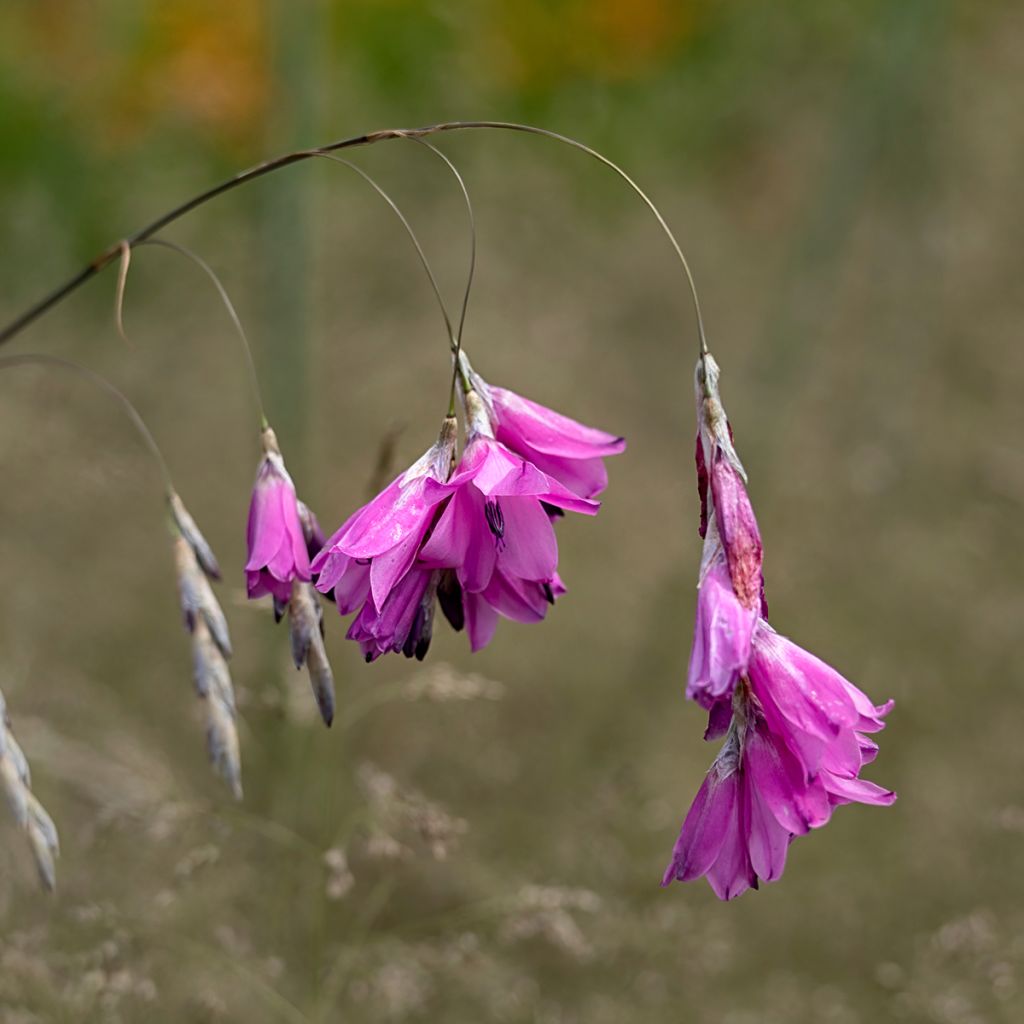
[221, 291]
[472, 233]
[111, 253]
[41, 359]
[409, 231]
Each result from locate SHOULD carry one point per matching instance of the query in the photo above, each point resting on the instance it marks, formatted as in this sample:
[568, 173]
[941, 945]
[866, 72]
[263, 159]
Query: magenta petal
[265, 529]
[548, 431]
[719, 717]
[798, 805]
[528, 549]
[584, 477]
[481, 621]
[388, 568]
[446, 546]
[521, 601]
[400, 509]
[769, 841]
[461, 540]
[721, 639]
[396, 617]
[330, 568]
[858, 791]
[352, 587]
[705, 828]
[481, 544]
[810, 694]
[731, 875]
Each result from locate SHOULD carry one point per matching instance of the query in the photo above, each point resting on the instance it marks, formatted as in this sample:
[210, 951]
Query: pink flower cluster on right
[796, 732]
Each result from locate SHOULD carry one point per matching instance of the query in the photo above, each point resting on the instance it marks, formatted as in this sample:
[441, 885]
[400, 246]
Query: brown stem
[117, 249]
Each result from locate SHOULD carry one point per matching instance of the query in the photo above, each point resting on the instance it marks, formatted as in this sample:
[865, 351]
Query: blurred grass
[844, 178]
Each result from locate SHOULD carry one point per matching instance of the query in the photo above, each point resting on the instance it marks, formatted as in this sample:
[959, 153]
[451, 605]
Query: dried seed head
[197, 599]
[28, 812]
[188, 529]
[213, 684]
[306, 625]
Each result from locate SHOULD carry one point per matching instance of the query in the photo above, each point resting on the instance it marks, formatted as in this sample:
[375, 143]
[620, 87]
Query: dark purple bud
[449, 594]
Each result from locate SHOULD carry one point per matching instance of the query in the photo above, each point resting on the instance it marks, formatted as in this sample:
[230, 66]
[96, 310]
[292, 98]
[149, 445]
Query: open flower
[368, 562]
[495, 533]
[563, 449]
[769, 785]
[796, 730]
[278, 551]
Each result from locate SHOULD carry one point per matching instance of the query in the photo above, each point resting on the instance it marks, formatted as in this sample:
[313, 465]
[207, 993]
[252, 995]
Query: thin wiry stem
[269, 166]
[412, 236]
[40, 359]
[457, 349]
[232, 313]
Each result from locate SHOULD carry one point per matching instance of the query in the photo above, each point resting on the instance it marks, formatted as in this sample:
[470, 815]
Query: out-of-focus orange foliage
[205, 63]
[540, 44]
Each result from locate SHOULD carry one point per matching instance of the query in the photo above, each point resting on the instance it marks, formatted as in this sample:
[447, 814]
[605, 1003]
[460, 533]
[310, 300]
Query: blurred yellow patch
[205, 63]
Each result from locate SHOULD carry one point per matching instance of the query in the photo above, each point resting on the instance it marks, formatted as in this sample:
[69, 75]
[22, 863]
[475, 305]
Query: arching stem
[260, 170]
[40, 359]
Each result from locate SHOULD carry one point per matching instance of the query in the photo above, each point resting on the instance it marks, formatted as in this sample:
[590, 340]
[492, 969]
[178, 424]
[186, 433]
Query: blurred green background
[480, 839]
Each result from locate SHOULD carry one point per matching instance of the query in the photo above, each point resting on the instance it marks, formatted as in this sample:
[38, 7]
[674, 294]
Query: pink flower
[795, 728]
[721, 639]
[277, 543]
[496, 534]
[369, 562]
[767, 787]
[567, 451]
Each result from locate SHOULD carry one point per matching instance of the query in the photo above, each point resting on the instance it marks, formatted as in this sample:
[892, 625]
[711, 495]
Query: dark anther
[549, 594]
[280, 607]
[495, 518]
[422, 647]
[417, 643]
[449, 594]
[552, 510]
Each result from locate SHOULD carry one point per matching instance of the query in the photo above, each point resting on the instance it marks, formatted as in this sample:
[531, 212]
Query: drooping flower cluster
[796, 732]
[473, 534]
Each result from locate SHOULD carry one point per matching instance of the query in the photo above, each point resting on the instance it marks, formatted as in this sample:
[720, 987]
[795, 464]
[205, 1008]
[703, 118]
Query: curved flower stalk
[211, 649]
[796, 732]
[28, 812]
